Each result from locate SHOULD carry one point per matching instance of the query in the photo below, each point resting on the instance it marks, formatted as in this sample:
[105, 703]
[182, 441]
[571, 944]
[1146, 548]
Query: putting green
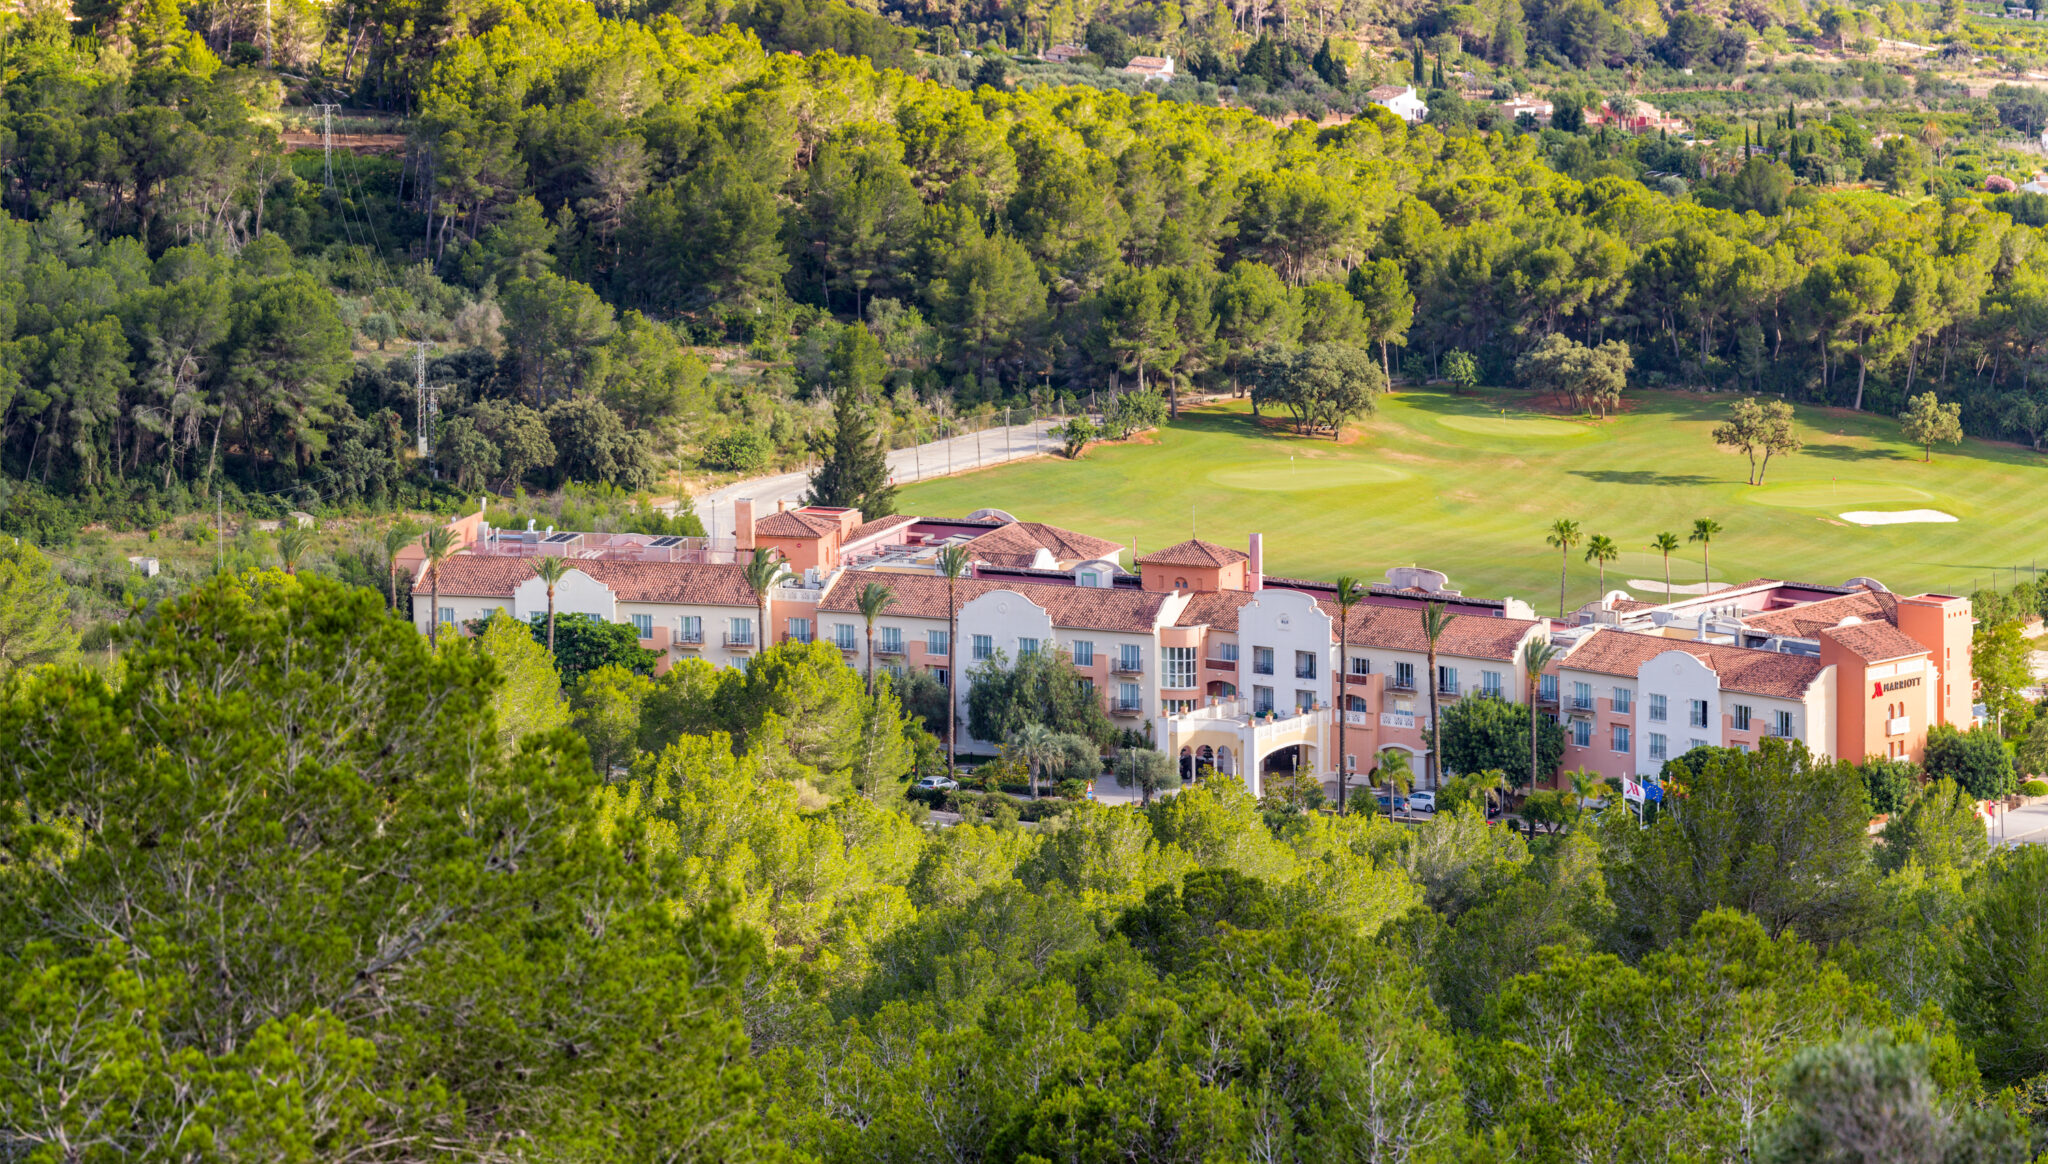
[1514, 426]
[1302, 475]
[1823, 495]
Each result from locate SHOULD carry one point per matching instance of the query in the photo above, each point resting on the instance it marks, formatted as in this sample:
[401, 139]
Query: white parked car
[1422, 802]
[936, 784]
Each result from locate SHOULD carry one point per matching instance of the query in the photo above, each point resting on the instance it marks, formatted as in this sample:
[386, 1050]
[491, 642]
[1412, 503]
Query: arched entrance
[1226, 763]
[1219, 689]
[1286, 761]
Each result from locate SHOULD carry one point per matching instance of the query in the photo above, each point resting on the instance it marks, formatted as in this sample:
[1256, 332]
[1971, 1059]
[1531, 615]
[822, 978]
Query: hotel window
[1360, 665]
[1740, 717]
[1658, 710]
[937, 642]
[1624, 700]
[1128, 658]
[1087, 686]
[938, 675]
[643, 625]
[1781, 724]
[1404, 676]
[1695, 743]
[1582, 697]
[1128, 696]
[1262, 660]
[691, 628]
[1026, 647]
[1698, 718]
[1180, 668]
[984, 646]
[1619, 735]
[1262, 700]
[800, 629]
[1582, 733]
[1356, 703]
[1447, 680]
[1656, 745]
[892, 640]
[843, 635]
[1304, 664]
[1489, 684]
[1304, 700]
[1227, 652]
[739, 631]
[1546, 689]
[447, 614]
[1084, 652]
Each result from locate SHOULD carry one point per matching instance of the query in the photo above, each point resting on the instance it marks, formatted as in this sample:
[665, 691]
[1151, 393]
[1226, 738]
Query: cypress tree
[1437, 78]
[1417, 52]
[856, 473]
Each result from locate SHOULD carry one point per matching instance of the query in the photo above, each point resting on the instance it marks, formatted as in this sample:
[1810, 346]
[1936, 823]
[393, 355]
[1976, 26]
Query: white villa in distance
[1401, 100]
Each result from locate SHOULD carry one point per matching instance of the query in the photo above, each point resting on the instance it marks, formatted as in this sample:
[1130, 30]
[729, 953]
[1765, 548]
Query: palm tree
[764, 573]
[440, 544]
[1349, 592]
[1601, 550]
[291, 546]
[953, 562]
[1434, 619]
[1584, 785]
[1665, 544]
[550, 570]
[1703, 531]
[1394, 767]
[1037, 745]
[1564, 534]
[1537, 656]
[399, 536]
[873, 599]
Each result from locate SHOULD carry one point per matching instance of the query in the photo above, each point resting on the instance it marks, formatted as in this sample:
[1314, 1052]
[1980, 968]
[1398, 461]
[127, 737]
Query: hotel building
[1195, 647]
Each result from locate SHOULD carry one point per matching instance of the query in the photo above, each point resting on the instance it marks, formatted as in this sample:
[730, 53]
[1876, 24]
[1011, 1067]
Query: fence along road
[942, 458]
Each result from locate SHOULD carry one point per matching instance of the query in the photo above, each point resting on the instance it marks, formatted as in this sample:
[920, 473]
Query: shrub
[741, 450]
[2034, 788]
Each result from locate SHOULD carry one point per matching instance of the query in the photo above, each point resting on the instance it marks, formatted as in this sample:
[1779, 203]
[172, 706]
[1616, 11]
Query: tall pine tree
[856, 473]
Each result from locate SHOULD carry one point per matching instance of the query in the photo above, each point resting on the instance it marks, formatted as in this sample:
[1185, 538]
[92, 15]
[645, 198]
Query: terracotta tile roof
[792, 524]
[1808, 620]
[1399, 628]
[1079, 607]
[1018, 543]
[672, 582]
[1216, 609]
[1618, 652]
[1875, 642]
[868, 529]
[1194, 552]
[1629, 605]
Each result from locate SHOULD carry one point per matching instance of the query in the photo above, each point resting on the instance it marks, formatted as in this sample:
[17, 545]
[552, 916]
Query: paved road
[917, 463]
[2021, 826]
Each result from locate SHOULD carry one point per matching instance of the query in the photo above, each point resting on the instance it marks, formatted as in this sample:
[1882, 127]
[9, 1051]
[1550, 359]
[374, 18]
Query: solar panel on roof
[556, 539]
[665, 541]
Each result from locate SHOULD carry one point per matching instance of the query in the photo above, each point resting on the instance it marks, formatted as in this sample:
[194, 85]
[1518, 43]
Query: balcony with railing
[735, 642]
[690, 638]
[1221, 665]
[1126, 707]
[885, 647]
[1127, 667]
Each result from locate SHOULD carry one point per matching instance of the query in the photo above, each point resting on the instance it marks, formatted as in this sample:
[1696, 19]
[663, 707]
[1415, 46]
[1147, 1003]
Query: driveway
[975, 450]
[2021, 826]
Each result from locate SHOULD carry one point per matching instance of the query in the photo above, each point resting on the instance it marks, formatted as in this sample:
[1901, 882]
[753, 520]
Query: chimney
[782, 505]
[1255, 570]
[743, 524]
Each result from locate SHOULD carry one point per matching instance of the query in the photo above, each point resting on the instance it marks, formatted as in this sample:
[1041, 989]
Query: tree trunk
[434, 606]
[1343, 707]
[1429, 760]
[1862, 370]
[551, 622]
[871, 660]
[1564, 568]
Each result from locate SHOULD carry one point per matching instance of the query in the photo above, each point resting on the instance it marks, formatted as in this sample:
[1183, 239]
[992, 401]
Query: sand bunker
[1895, 516]
[1656, 586]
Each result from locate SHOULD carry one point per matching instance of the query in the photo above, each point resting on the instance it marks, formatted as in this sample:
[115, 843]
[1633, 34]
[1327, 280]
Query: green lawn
[1470, 484]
